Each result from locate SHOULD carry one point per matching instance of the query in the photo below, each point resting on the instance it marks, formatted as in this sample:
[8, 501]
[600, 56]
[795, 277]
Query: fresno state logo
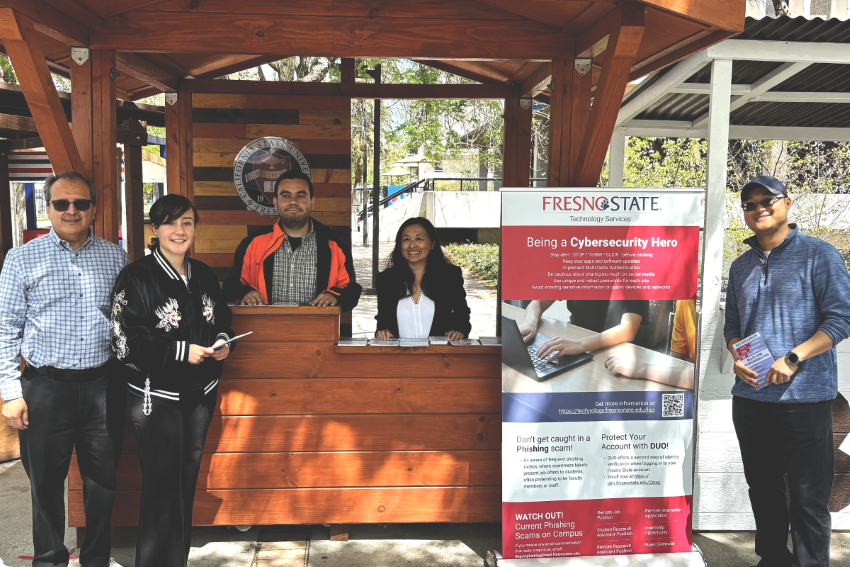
[257, 168]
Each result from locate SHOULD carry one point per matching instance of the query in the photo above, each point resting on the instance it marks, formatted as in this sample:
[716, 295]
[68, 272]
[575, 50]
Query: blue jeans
[793, 441]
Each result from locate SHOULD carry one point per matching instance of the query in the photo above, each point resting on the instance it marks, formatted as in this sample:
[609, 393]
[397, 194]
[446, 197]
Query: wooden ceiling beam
[50, 21]
[145, 71]
[21, 42]
[236, 67]
[331, 37]
[622, 48]
[465, 73]
[594, 39]
[537, 82]
[357, 90]
[526, 10]
[719, 14]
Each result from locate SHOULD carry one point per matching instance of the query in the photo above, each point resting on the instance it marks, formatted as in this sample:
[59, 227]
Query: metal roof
[817, 78]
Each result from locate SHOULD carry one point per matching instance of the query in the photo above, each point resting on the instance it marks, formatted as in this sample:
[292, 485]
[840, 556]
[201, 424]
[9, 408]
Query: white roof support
[683, 129]
[770, 96]
[772, 79]
[780, 51]
[673, 78]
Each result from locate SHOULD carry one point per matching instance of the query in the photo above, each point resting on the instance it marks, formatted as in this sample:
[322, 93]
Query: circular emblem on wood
[258, 166]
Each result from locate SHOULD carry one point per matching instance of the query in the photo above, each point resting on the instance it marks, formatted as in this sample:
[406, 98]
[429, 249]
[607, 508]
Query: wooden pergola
[565, 52]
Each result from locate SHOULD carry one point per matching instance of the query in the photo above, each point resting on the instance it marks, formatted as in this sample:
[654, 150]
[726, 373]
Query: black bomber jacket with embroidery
[156, 316]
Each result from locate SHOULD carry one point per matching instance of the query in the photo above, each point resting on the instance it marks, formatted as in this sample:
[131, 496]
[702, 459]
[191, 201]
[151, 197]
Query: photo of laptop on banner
[522, 358]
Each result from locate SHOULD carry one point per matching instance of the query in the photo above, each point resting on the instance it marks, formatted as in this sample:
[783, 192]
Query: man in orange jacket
[298, 259]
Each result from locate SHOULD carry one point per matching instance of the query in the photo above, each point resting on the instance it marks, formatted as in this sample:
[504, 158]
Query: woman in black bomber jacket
[421, 294]
[167, 313]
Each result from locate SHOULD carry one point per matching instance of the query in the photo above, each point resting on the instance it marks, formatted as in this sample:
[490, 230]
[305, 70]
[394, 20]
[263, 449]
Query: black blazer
[451, 313]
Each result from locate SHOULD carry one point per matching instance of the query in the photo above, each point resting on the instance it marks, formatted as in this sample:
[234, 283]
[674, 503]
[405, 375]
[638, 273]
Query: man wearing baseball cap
[794, 290]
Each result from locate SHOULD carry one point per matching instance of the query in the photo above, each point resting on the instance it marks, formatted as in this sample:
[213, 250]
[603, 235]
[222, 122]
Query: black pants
[171, 442]
[793, 440]
[64, 415]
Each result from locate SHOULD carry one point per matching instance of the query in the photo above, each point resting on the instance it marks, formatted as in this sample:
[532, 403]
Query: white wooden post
[617, 158]
[715, 201]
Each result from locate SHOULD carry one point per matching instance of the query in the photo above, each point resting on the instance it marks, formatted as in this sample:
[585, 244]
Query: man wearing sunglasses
[793, 289]
[55, 309]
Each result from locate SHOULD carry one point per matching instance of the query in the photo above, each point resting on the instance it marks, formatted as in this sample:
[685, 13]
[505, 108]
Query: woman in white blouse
[421, 294]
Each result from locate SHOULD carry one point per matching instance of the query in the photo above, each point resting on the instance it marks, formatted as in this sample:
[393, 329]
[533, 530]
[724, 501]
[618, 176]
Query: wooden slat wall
[222, 124]
[303, 434]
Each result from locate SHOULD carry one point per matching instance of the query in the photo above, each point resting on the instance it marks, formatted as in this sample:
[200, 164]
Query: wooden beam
[509, 142]
[560, 117]
[18, 123]
[622, 48]
[50, 21]
[721, 14]
[25, 143]
[104, 134]
[184, 114]
[465, 73]
[5, 207]
[522, 175]
[644, 68]
[271, 34]
[537, 82]
[580, 115]
[358, 90]
[145, 71]
[22, 44]
[81, 110]
[172, 147]
[134, 231]
[347, 71]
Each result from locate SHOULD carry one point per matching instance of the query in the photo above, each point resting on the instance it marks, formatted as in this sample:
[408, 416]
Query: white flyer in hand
[754, 354]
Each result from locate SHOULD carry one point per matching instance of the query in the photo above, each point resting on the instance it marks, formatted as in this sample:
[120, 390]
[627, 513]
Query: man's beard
[295, 223]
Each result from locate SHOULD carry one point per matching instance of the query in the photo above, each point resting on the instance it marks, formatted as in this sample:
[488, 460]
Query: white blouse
[414, 319]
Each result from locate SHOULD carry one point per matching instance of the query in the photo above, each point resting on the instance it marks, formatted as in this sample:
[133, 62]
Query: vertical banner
[598, 343]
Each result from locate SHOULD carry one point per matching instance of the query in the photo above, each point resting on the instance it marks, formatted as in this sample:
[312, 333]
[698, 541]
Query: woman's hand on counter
[221, 353]
[625, 366]
[383, 335]
[197, 353]
[454, 335]
[253, 298]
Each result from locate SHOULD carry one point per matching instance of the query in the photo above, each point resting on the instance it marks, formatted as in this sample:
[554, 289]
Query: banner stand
[599, 345]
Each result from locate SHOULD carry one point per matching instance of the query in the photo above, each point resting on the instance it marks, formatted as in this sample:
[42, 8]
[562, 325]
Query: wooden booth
[307, 431]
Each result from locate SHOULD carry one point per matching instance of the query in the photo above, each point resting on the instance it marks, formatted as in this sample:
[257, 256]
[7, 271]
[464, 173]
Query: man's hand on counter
[324, 299]
[253, 298]
[384, 335]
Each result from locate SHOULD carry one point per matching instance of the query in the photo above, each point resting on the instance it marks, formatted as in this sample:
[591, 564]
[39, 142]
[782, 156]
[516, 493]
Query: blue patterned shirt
[60, 299]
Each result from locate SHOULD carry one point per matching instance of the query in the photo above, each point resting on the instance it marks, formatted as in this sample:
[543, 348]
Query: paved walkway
[481, 299]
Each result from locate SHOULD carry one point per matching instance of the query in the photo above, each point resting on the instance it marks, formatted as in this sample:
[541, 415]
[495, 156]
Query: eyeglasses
[62, 205]
[750, 206]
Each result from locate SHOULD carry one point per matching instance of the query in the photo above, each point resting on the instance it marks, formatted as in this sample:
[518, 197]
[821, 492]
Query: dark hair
[433, 266]
[69, 176]
[294, 174]
[167, 209]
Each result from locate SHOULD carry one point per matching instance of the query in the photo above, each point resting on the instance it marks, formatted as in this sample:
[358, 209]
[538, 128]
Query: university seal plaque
[258, 166]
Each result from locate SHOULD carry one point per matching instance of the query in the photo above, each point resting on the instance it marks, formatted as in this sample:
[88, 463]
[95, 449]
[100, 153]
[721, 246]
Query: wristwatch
[793, 359]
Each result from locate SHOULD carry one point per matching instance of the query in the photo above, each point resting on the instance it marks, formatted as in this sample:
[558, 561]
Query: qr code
[672, 405]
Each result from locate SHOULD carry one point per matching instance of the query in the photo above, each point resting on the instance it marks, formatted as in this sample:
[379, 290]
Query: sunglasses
[768, 202]
[62, 205]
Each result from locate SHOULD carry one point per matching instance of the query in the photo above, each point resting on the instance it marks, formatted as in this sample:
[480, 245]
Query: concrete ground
[400, 545]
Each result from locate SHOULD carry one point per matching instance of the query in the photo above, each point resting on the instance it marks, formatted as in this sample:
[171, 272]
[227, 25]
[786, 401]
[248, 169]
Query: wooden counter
[308, 433]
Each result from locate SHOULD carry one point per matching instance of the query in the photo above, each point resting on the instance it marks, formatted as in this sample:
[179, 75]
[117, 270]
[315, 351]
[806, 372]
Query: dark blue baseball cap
[772, 184]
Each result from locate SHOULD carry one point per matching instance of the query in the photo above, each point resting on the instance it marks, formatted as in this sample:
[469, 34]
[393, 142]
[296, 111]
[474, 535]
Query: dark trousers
[794, 441]
[171, 442]
[64, 415]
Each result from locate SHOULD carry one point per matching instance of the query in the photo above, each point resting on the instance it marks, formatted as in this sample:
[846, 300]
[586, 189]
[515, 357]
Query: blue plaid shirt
[60, 299]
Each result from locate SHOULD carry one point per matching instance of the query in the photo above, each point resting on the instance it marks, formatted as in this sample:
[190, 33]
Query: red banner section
[617, 526]
[600, 262]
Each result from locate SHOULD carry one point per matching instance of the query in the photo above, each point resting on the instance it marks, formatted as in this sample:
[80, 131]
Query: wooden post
[81, 112]
[104, 166]
[623, 44]
[580, 115]
[172, 144]
[5, 206]
[340, 532]
[184, 110]
[516, 162]
[23, 45]
[134, 230]
[560, 117]
[346, 70]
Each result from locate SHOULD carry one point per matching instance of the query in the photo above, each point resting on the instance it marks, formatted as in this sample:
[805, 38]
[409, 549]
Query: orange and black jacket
[253, 266]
